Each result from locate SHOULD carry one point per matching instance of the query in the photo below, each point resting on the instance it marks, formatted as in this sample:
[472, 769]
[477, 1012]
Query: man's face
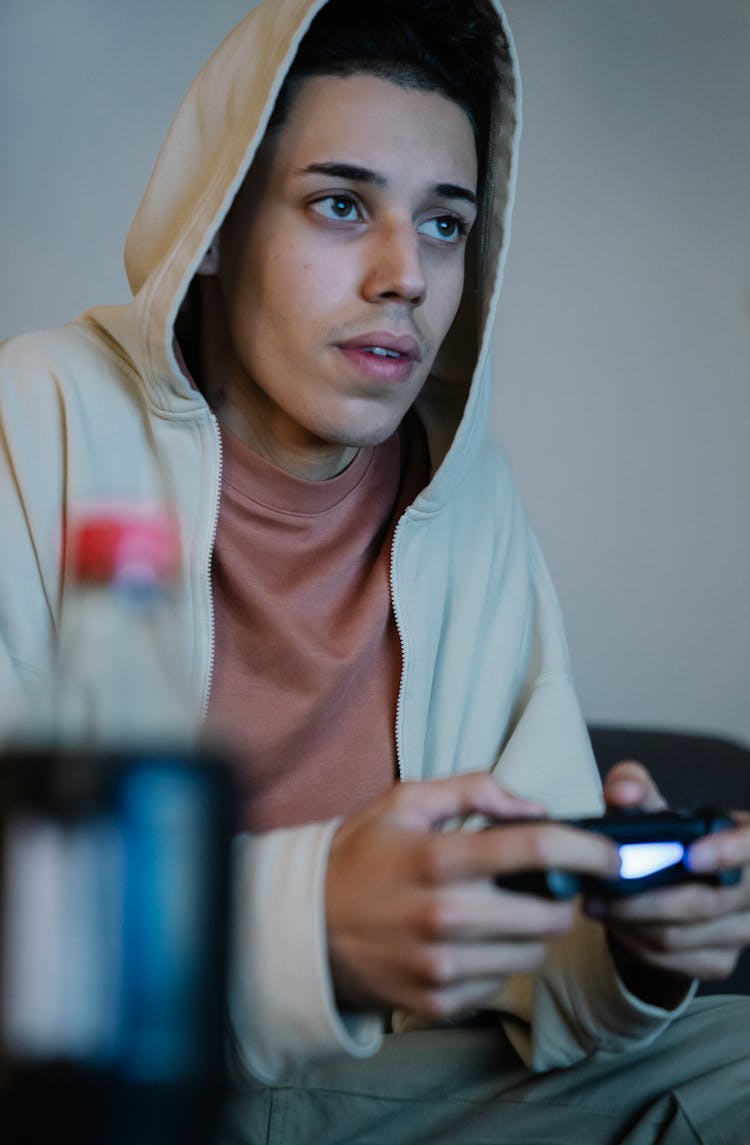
[341, 268]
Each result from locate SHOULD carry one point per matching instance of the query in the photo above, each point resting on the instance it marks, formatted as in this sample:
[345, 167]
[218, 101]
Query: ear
[209, 264]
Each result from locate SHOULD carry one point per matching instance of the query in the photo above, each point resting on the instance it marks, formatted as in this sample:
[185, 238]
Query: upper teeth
[383, 352]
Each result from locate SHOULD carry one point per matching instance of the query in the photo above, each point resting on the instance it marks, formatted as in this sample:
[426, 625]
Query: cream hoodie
[100, 408]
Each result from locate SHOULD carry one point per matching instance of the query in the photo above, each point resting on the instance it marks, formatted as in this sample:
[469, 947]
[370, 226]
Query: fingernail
[702, 857]
[628, 790]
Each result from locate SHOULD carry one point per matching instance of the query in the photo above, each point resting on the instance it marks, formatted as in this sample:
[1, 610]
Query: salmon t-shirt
[307, 657]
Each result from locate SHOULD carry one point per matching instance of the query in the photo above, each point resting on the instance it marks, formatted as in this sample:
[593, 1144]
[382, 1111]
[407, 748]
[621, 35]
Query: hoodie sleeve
[31, 482]
[281, 1001]
[577, 1007]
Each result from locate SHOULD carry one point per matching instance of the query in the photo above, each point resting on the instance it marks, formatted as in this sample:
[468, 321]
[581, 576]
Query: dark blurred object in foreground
[115, 829]
[115, 872]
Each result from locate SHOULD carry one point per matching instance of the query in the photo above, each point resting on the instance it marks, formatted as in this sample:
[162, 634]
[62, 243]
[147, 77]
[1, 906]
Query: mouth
[382, 357]
[381, 352]
[381, 344]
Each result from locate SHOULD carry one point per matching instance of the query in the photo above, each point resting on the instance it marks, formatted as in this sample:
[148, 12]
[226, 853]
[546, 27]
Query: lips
[381, 344]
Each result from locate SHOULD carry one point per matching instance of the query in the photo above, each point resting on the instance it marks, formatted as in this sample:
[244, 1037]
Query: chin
[364, 438]
[362, 432]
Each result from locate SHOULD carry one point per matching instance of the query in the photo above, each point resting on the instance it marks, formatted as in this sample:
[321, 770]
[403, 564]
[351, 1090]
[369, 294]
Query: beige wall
[623, 350]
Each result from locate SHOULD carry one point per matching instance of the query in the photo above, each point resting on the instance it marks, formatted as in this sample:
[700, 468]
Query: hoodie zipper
[209, 588]
[395, 604]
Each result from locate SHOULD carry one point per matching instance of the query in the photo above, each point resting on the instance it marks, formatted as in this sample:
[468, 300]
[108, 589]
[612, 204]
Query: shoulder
[54, 355]
[53, 379]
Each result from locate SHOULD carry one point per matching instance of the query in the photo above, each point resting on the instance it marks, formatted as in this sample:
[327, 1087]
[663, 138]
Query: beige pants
[467, 1087]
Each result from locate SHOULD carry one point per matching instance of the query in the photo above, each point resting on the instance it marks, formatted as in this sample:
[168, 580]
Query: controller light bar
[639, 859]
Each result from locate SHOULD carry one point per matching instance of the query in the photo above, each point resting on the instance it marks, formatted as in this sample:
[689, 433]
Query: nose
[394, 271]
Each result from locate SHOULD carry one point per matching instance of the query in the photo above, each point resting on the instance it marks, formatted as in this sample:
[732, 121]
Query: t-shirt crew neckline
[267, 484]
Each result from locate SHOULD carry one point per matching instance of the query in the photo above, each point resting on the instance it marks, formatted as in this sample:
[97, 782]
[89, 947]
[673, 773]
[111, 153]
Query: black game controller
[653, 849]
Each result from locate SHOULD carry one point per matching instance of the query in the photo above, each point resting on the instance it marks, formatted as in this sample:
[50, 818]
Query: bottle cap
[135, 546]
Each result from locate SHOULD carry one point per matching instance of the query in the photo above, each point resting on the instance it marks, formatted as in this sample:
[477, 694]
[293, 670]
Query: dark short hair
[449, 46]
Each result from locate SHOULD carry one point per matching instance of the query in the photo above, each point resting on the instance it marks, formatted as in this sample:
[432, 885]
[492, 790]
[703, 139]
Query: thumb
[630, 785]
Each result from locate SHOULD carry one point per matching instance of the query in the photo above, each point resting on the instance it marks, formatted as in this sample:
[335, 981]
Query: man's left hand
[661, 939]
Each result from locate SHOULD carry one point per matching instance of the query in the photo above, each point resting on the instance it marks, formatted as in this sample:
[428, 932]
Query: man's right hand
[415, 920]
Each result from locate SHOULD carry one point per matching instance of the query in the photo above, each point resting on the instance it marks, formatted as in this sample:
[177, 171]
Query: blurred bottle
[116, 866]
[122, 682]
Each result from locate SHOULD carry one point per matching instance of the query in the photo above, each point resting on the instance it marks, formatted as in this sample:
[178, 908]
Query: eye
[449, 229]
[342, 208]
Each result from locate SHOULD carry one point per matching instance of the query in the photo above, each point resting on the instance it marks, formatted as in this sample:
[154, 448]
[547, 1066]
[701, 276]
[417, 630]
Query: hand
[662, 939]
[415, 920]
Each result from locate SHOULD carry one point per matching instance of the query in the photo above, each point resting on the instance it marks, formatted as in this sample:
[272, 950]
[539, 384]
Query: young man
[303, 370]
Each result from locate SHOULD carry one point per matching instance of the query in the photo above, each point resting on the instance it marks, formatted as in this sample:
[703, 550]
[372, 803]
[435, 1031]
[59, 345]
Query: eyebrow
[356, 174]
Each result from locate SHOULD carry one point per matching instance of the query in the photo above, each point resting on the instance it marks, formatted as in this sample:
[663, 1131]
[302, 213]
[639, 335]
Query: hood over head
[204, 159]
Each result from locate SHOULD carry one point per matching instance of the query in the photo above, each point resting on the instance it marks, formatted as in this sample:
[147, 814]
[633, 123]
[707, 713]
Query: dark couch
[690, 770]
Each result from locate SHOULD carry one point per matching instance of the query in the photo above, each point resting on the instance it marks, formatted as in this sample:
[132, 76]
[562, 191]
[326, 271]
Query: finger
[730, 932]
[451, 1002]
[682, 906]
[478, 911]
[511, 848]
[721, 850]
[707, 963]
[443, 967]
[629, 785]
[426, 804]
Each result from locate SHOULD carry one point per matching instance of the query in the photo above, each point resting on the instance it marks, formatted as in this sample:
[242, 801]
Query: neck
[244, 408]
[307, 464]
